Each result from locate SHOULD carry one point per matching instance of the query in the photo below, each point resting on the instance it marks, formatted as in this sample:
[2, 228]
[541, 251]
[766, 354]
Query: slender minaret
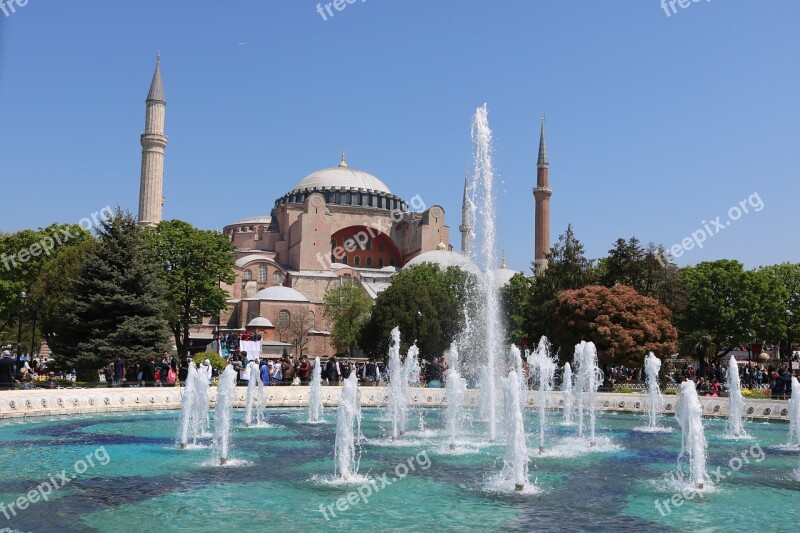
[466, 220]
[542, 193]
[151, 199]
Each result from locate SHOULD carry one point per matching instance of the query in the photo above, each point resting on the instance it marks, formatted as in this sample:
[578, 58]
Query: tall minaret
[466, 220]
[542, 193]
[154, 141]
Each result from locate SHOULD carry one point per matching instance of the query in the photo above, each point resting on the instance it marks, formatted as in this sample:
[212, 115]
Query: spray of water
[348, 415]
[315, 396]
[516, 460]
[222, 415]
[566, 387]
[398, 387]
[252, 387]
[652, 365]
[543, 367]
[589, 379]
[794, 414]
[455, 387]
[486, 257]
[736, 407]
[692, 459]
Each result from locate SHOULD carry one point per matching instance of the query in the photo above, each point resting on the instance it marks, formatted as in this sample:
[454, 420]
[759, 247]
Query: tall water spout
[398, 387]
[486, 257]
[652, 365]
[543, 367]
[201, 420]
[566, 387]
[693, 441]
[252, 387]
[188, 403]
[349, 413]
[589, 379]
[516, 459]
[222, 414]
[455, 387]
[315, 396]
[794, 414]
[737, 405]
[261, 399]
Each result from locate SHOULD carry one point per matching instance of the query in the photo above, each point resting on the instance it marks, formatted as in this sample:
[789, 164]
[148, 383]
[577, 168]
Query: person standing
[119, 371]
[332, 370]
[149, 372]
[7, 380]
[304, 370]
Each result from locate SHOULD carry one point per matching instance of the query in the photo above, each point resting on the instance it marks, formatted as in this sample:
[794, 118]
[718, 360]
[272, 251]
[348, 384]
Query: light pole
[22, 297]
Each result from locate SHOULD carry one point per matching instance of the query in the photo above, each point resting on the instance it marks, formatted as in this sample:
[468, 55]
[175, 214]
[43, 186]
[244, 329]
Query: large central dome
[341, 177]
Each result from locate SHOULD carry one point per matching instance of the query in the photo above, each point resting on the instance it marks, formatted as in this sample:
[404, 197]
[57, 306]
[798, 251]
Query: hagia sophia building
[336, 225]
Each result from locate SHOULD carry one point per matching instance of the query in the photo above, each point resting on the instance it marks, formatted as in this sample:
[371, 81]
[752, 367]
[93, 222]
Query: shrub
[217, 361]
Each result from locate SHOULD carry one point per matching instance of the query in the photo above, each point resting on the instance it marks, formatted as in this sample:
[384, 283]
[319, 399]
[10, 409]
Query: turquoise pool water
[129, 476]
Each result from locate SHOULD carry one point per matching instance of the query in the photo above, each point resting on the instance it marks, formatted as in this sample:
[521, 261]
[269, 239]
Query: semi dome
[341, 177]
[279, 293]
[260, 322]
[445, 259]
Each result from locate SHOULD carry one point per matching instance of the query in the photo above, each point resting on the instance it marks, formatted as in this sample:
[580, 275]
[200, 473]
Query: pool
[123, 472]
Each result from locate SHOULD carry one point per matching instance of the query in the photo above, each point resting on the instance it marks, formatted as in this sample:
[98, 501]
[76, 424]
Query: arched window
[284, 318]
[277, 278]
[333, 244]
[344, 260]
[391, 262]
[311, 320]
[380, 262]
[369, 261]
[247, 275]
[262, 273]
[357, 261]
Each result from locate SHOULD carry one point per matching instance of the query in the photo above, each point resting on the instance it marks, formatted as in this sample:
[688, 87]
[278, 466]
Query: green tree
[731, 306]
[55, 285]
[788, 275]
[117, 303]
[515, 302]
[347, 308]
[23, 255]
[193, 263]
[568, 269]
[423, 302]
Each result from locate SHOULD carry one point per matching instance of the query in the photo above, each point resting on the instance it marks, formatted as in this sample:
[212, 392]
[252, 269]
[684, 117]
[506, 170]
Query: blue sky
[654, 123]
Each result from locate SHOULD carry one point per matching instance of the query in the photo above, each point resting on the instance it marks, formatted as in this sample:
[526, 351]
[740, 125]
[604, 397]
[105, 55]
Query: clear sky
[654, 123]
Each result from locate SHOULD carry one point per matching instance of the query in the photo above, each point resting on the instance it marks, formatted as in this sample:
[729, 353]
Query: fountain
[543, 367]
[589, 379]
[736, 406]
[566, 387]
[252, 386]
[188, 407]
[516, 459]
[652, 365]
[201, 420]
[222, 415]
[349, 413]
[455, 387]
[261, 399]
[486, 258]
[398, 387]
[794, 414]
[693, 441]
[315, 396]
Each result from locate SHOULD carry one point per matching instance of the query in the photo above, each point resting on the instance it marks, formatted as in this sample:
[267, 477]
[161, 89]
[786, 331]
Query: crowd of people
[777, 379]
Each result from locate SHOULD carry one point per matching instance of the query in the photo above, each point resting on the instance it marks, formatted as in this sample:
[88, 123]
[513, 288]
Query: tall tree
[515, 302]
[623, 324]
[788, 275]
[730, 305]
[117, 303]
[347, 308]
[421, 302]
[567, 269]
[193, 264]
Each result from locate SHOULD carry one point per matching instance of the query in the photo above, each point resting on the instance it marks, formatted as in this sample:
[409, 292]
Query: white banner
[253, 349]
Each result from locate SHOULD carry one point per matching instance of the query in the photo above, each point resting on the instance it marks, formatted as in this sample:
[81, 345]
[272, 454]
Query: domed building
[336, 225]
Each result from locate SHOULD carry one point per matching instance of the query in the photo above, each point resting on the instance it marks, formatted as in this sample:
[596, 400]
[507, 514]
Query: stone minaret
[542, 193]
[151, 199]
[466, 221]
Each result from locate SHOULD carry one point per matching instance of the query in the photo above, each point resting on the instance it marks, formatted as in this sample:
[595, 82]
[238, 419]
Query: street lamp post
[23, 296]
